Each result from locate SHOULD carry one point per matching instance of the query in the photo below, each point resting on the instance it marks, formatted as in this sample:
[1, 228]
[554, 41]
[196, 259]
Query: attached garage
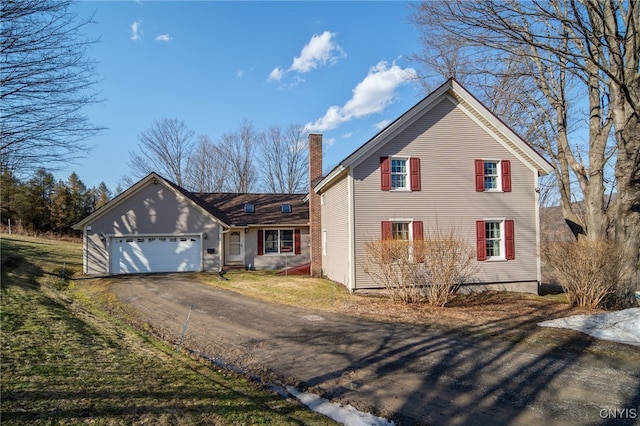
[156, 226]
[165, 253]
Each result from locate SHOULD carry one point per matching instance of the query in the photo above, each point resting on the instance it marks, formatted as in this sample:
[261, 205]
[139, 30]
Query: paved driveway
[412, 374]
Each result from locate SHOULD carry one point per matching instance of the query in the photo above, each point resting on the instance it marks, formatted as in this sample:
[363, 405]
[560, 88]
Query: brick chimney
[315, 222]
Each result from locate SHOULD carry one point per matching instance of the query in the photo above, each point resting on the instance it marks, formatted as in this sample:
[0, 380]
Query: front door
[235, 247]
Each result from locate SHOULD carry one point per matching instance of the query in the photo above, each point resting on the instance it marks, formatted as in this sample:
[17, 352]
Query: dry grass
[473, 310]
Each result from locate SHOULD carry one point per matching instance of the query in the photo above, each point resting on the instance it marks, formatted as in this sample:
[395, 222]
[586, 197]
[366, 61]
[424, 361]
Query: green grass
[301, 291]
[65, 360]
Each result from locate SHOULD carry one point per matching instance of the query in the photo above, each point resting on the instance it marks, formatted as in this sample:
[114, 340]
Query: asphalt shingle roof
[268, 208]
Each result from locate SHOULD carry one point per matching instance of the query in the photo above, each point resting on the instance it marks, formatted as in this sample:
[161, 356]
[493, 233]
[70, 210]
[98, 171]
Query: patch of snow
[346, 415]
[620, 326]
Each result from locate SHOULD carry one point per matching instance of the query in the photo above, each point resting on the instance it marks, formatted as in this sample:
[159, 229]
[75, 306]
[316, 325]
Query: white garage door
[131, 255]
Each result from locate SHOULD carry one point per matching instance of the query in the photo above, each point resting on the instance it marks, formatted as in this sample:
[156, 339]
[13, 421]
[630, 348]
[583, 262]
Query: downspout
[536, 187]
[351, 231]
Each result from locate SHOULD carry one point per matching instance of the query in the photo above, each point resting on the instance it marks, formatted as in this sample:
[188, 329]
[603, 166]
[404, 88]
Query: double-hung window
[495, 239]
[493, 175]
[400, 231]
[405, 231]
[398, 173]
[493, 236]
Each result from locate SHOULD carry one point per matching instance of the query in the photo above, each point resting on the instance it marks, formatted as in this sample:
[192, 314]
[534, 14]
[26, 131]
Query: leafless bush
[449, 262]
[433, 268]
[587, 270]
[390, 264]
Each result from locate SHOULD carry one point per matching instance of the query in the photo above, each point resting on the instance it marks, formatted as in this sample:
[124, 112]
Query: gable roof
[453, 90]
[225, 208]
[268, 208]
[153, 178]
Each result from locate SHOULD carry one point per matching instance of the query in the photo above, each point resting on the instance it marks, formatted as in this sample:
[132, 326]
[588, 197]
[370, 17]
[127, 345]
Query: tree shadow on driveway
[418, 375]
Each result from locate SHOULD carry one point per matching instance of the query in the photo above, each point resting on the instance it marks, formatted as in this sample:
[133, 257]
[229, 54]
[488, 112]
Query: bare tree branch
[285, 159]
[46, 80]
[163, 148]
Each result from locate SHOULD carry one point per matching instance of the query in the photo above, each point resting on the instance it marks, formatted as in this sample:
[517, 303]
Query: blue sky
[340, 68]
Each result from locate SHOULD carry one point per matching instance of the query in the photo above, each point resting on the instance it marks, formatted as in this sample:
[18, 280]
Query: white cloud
[136, 32]
[321, 50]
[164, 37]
[370, 96]
[347, 135]
[276, 74]
[239, 74]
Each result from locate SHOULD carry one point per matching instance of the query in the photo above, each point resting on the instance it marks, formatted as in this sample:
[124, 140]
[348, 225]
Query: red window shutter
[418, 230]
[481, 242]
[506, 175]
[414, 172]
[386, 230]
[418, 234]
[260, 242]
[479, 176]
[509, 240]
[296, 241]
[385, 173]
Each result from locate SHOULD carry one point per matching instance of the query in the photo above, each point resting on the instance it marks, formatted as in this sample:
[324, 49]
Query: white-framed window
[278, 241]
[324, 242]
[495, 239]
[493, 232]
[399, 171]
[400, 231]
[491, 176]
[404, 231]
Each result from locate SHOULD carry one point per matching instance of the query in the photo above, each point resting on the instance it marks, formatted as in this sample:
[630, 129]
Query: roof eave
[333, 174]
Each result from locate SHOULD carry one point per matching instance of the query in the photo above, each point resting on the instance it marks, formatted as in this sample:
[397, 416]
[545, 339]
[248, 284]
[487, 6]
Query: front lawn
[66, 361]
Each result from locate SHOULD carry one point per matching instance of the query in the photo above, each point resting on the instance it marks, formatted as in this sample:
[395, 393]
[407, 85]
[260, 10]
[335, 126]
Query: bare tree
[163, 148]
[237, 150]
[553, 55]
[46, 79]
[206, 171]
[284, 154]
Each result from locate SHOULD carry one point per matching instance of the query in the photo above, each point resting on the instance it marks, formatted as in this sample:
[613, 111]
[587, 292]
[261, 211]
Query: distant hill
[552, 224]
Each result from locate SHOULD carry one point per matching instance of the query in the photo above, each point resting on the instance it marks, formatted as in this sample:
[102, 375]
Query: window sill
[493, 190]
[496, 259]
[400, 190]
